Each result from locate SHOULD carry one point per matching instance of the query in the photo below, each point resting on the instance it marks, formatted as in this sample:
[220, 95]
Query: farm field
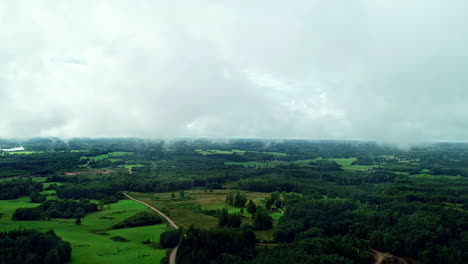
[302, 199]
[215, 151]
[109, 156]
[131, 166]
[24, 152]
[240, 152]
[188, 210]
[251, 164]
[87, 245]
[346, 163]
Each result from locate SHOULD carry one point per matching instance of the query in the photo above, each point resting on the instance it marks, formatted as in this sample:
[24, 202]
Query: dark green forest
[338, 200]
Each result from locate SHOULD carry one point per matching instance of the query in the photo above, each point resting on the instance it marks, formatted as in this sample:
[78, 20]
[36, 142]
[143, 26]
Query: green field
[24, 152]
[278, 154]
[236, 151]
[434, 177]
[131, 166]
[305, 162]
[39, 179]
[187, 211]
[108, 156]
[87, 245]
[251, 164]
[215, 151]
[346, 164]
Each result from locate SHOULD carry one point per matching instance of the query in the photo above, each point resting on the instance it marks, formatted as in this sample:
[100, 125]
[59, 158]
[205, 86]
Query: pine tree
[251, 207]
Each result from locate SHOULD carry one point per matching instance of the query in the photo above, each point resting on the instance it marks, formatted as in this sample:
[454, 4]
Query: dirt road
[381, 256]
[172, 257]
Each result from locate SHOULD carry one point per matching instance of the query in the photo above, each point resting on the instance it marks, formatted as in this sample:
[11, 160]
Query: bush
[35, 213]
[31, 246]
[262, 220]
[139, 219]
[169, 239]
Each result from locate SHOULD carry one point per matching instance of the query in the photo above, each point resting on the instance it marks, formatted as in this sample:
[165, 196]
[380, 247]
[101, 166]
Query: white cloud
[305, 69]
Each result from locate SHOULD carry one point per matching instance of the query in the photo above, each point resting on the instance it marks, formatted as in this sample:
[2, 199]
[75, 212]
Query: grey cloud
[305, 69]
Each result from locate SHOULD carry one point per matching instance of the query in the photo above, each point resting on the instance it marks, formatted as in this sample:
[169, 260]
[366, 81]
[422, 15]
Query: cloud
[76, 61]
[357, 69]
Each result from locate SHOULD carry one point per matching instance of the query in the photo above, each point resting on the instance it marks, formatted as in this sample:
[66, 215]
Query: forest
[264, 201]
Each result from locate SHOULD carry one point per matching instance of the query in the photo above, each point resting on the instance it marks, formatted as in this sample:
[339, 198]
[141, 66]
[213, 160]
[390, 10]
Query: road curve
[172, 257]
[380, 256]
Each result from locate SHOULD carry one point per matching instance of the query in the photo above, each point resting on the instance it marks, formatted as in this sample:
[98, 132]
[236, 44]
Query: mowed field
[236, 151]
[91, 241]
[108, 156]
[345, 163]
[188, 210]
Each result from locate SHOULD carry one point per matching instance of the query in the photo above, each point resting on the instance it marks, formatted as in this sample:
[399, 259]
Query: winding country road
[172, 257]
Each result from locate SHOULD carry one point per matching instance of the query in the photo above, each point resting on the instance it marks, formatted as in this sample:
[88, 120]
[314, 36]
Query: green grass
[278, 154]
[131, 166]
[236, 151]
[46, 185]
[216, 151]
[346, 164]
[186, 212]
[24, 152]
[305, 162]
[87, 245]
[39, 179]
[434, 177]
[108, 156]
[276, 215]
[49, 192]
[251, 164]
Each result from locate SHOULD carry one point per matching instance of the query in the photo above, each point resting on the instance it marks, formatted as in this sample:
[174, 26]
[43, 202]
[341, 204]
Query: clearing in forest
[91, 241]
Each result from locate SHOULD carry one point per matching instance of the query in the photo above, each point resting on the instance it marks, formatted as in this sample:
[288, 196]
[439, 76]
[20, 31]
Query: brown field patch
[92, 171]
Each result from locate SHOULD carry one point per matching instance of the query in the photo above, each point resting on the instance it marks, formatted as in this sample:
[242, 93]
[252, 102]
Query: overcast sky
[352, 69]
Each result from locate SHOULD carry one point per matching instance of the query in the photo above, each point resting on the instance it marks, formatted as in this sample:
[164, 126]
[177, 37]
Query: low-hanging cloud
[359, 69]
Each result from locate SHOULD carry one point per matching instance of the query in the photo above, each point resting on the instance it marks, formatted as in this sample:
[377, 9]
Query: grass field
[236, 151]
[215, 151]
[131, 166]
[278, 154]
[346, 164]
[187, 211]
[109, 155]
[24, 152]
[87, 245]
[251, 164]
[434, 177]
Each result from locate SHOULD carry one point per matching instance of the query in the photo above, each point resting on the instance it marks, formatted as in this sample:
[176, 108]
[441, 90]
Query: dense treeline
[314, 250]
[30, 246]
[56, 209]
[170, 239]
[39, 164]
[392, 200]
[18, 187]
[139, 219]
[431, 233]
[225, 245]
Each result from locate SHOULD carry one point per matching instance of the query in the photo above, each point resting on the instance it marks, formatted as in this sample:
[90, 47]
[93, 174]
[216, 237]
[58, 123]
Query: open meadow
[91, 240]
[189, 209]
